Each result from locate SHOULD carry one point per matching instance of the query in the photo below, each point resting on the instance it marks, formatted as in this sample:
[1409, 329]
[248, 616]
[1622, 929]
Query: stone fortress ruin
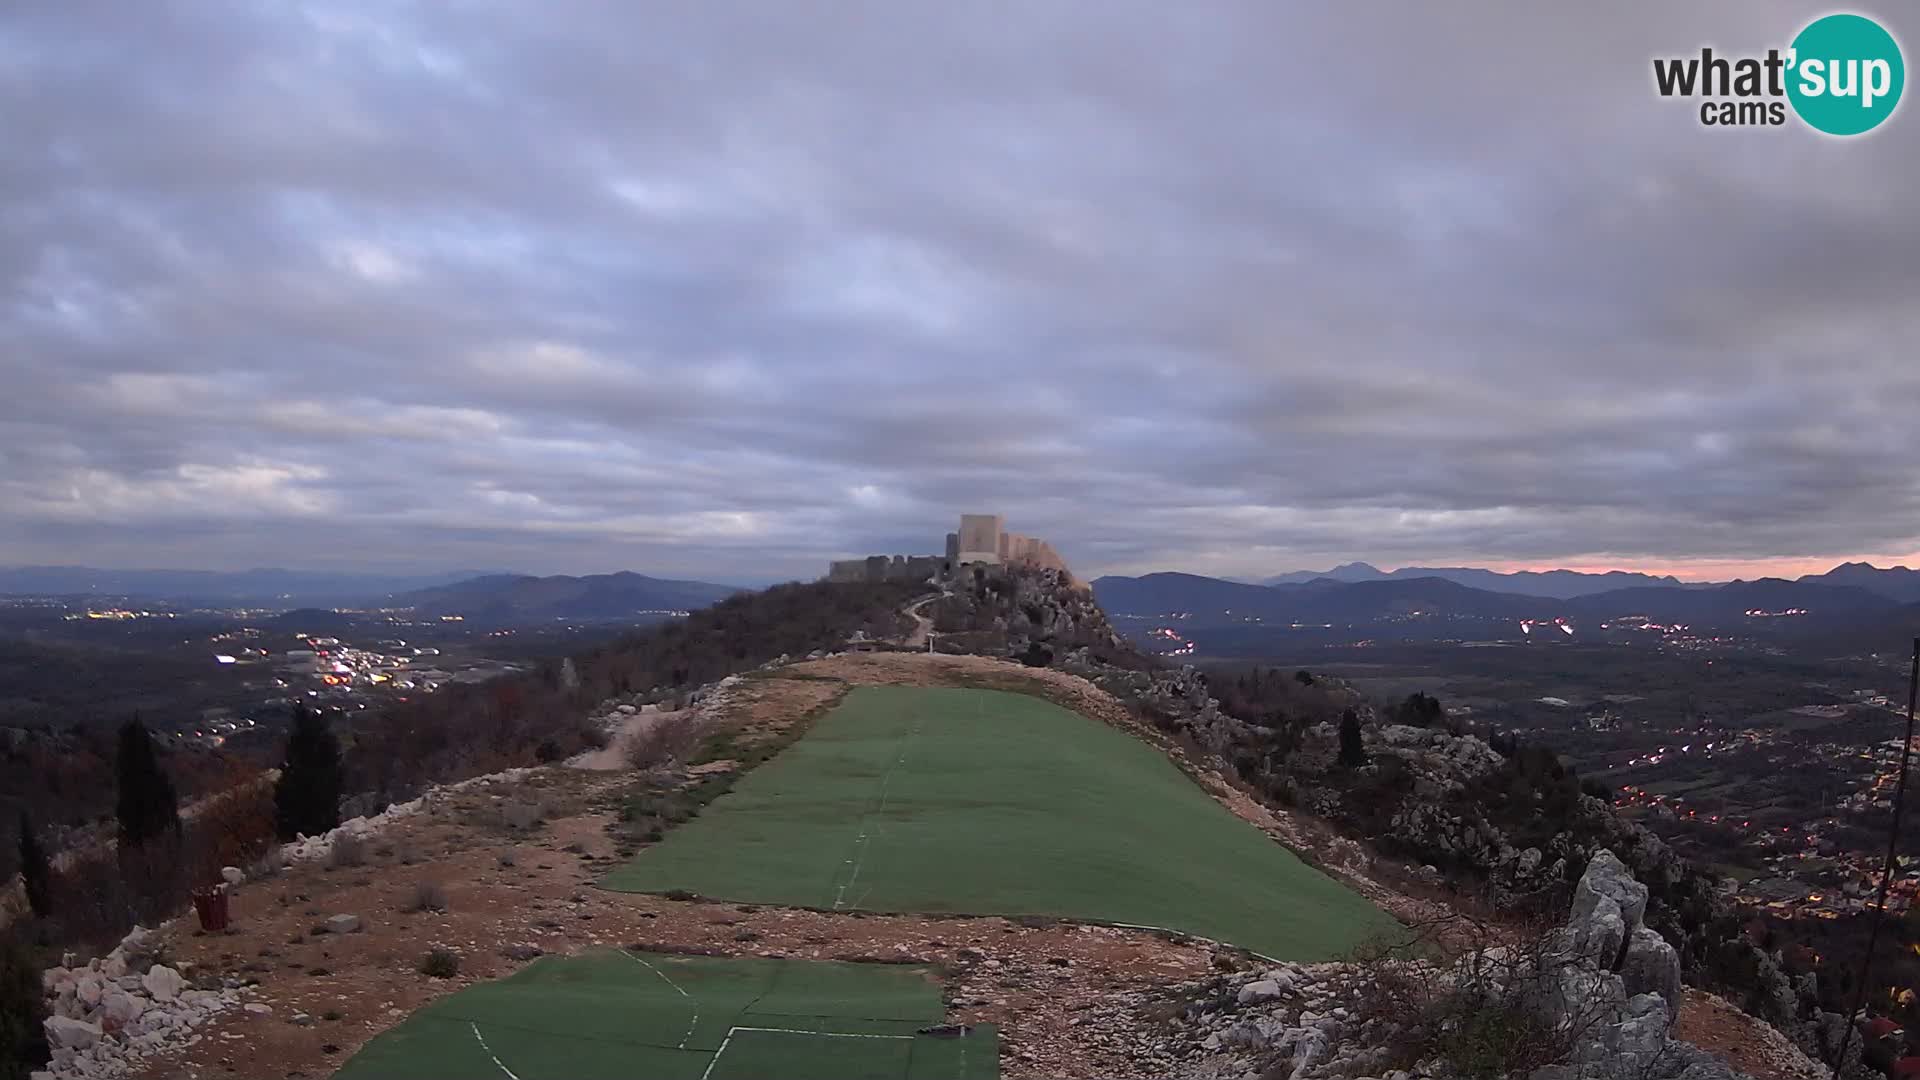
[982, 538]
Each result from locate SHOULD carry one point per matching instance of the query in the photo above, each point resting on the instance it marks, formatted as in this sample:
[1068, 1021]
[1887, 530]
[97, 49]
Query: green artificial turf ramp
[615, 1014]
[984, 802]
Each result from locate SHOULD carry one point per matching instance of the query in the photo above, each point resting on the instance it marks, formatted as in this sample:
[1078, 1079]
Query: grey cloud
[726, 290]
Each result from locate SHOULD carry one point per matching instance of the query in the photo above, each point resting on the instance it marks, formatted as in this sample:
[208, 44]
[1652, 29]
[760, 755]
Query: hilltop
[1439, 828]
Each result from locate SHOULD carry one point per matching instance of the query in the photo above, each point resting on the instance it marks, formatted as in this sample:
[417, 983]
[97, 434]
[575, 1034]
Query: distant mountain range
[1558, 584]
[1361, 594]
[596, 596]
[1896, 582]
[266, 587]
[472, 593]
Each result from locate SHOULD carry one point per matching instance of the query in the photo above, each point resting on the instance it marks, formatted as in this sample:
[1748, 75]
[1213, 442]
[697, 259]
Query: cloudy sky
[724, 290]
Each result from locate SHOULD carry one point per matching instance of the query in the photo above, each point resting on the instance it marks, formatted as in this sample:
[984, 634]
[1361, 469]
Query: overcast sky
[724, 290]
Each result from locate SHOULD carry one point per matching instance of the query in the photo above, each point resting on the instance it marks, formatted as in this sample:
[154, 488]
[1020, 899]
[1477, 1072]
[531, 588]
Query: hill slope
[596, 596]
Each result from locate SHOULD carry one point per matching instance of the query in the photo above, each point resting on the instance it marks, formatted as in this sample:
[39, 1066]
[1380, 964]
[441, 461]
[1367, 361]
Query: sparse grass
[347, 851]
[520, 815]
[428, 896]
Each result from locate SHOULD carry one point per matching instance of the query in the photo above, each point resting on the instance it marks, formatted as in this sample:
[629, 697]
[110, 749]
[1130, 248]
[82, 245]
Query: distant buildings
[982, 538]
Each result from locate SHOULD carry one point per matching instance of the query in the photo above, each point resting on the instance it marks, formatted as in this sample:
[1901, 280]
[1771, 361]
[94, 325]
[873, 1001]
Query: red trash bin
[211, 906]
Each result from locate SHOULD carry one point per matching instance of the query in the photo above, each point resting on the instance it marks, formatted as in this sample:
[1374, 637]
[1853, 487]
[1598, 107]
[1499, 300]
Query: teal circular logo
[1845, 74]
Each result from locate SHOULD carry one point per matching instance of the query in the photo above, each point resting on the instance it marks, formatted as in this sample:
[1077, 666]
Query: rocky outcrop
[1596, 998]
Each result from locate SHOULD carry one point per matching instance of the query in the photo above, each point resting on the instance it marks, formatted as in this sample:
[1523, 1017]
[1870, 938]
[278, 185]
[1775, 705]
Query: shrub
[428, 896]
[440, 964]
[507, 859]
[36, 871]
[347, 851]
[268, 865]
[666, 739]
[23, 1044]
[1491, 1014]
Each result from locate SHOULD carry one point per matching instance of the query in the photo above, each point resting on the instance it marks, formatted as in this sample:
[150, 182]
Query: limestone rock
[162, 982]
[64, 1031]
[232, 875]
[120, 1008]
[343, 924]
[1599, 935]
[1607, 877]
[1651, 966]
[1261, 990]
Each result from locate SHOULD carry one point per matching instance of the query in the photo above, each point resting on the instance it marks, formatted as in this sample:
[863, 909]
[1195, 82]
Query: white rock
[72, 1034]
[1255, 992]
[89, 988]
[343, 924]
[163, 982]
[114, 966]
[121, 1008]
[258, 1008]
[232, 875]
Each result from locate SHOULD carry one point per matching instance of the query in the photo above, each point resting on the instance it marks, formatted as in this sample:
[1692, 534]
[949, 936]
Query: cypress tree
[307, 797]
[1353, 753]
[35, 869]
[147, 805]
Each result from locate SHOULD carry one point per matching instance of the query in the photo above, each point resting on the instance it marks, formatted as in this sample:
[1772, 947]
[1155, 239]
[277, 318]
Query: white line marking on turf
[483, 1045]
[818, 1035]
[695, 1022]
[861, 843]
[821, 1034]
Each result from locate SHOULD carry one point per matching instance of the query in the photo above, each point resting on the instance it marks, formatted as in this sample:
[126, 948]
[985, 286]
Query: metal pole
[1886, 873]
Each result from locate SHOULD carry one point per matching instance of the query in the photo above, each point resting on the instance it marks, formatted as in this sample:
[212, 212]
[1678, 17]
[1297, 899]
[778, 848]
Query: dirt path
[923, 624]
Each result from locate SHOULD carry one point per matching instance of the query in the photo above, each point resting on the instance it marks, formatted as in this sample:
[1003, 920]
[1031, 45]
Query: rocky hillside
[1595, 999]
[1502, 828]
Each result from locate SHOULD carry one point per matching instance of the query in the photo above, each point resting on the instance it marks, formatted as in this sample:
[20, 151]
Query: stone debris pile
[113, 1013]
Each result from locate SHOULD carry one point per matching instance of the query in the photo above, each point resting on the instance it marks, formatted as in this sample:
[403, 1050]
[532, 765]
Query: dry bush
[668, 738]
[268, 865]
[1510, 1002]
[428, 896]
[234, 829]
[347, 851]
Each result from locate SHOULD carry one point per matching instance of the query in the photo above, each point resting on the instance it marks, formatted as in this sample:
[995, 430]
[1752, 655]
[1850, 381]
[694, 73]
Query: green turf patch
[985, 802]
[632, 1014]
